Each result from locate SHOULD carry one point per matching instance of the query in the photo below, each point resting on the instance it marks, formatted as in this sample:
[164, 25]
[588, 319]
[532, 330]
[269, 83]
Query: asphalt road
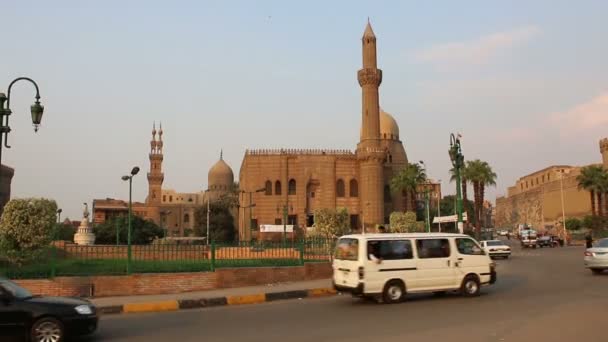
[541, 295]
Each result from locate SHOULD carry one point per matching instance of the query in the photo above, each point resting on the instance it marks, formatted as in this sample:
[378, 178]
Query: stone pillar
[6, 177]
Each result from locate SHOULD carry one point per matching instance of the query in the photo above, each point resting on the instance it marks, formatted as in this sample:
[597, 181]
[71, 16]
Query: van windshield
[347, 249]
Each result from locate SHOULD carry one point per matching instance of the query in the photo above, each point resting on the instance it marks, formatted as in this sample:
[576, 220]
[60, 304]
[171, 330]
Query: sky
[524, 82]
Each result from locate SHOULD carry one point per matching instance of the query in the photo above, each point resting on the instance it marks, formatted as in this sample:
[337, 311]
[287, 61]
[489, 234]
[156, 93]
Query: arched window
[387, 194]
[291, 187]
[340, 188]
[354, 188]
[186, 218]
[277, 188]
[268, 191]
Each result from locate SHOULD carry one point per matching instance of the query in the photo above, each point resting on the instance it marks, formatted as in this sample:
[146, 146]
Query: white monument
[84, 235]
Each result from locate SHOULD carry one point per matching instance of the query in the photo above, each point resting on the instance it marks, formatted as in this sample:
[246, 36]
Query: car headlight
[84, 310]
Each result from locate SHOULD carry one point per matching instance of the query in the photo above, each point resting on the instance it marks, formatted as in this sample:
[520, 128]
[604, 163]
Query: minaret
[604, 152]
[369, 152]
[155, 176]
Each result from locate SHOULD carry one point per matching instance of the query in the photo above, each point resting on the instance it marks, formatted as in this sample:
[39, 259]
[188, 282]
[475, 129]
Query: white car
[596, 257]
[496, 248]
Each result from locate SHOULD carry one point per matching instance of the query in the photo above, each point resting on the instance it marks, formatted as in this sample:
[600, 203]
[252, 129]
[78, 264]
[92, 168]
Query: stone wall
[167, 283]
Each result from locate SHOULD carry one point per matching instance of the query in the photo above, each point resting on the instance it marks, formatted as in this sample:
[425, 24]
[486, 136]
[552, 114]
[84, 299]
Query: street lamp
[426, 199]
[59, 211]
[250, 206]
[36, 109]
[129, 178]
[561, 188]
[439, 206]
[457, 159]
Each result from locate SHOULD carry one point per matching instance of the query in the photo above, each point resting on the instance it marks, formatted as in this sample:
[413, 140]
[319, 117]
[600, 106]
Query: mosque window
[277, 188]
[268, 191]
[354, 188]
[387, 194]
[164, 198]
[340, 188]
[292, 187]
[186, 218]
[170, 198]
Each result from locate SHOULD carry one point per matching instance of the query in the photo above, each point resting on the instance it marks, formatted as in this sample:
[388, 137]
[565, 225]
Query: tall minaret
[369, 152]
[155, 176]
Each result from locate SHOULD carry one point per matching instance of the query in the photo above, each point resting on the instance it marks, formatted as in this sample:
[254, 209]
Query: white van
[390, 265]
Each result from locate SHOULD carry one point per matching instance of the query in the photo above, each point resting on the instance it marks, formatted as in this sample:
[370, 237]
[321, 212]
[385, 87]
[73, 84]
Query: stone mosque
[291, 183]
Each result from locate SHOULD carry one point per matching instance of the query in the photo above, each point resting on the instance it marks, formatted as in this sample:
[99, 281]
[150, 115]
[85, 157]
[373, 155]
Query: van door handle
[460, 259]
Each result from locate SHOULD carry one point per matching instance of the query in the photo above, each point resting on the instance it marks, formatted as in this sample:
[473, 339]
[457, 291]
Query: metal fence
[73, 260]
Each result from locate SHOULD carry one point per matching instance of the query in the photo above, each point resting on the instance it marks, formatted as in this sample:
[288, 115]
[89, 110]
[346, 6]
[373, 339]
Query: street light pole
[457, 159]
[561, 186]
[59, 215]
[134, 171]
[439, 207]
[36, 109]
[426, 199]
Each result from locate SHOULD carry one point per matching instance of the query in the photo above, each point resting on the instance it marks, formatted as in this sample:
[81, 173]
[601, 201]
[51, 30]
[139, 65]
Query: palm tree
[407, 181]
[590, 179]
[480, 174]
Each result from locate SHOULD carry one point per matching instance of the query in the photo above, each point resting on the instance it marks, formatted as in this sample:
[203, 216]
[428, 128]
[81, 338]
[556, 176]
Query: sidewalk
[230, 296]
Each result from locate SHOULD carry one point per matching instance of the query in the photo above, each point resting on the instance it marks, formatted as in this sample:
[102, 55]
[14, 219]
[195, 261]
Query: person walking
[589, 241]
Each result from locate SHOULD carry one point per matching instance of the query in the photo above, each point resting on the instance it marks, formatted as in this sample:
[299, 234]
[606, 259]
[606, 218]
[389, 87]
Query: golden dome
[388, 126]
[220, 175]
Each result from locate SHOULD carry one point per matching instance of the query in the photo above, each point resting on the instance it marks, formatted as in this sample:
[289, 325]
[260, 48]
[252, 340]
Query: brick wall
[166, 283]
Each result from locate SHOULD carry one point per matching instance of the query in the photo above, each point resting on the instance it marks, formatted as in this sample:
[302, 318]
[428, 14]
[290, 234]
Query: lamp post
[163, 217]
[129, 178]
[285, 207]
[457, 159]
[561, 188]
[59, 211]
[250, 206]
[36, 109]
[439, 206]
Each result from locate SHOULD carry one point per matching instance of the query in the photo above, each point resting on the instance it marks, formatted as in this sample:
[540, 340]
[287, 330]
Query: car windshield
[16, 290]
[495, 243]
[603, 243]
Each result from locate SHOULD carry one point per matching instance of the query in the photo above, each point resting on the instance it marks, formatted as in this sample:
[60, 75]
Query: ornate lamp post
[250, 206]
[36, 109]
[129, 178]
[426, 200]
[59, 211]
[286, 208]
[457, 159]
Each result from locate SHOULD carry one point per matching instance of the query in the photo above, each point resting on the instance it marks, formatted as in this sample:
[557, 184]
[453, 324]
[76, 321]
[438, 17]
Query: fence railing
[73, 260]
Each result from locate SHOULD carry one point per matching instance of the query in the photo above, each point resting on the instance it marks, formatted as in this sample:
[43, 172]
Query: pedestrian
[589, 241]
[508, 235]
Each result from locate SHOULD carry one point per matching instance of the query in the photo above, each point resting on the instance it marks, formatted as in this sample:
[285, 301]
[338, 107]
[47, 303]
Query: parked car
[387, 265]
[596, 257]
[547, 241]
[43, 319]
[496, 248]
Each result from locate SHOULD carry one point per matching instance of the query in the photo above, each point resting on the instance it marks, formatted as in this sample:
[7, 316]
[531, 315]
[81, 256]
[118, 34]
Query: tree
[480, 174]
[407, 181]
[221, 222]
[230, 199]
[573, 223]
[142, 231]
[594, 178]
[331, 223]
[404, 223]
[63, 232]
[26, 227]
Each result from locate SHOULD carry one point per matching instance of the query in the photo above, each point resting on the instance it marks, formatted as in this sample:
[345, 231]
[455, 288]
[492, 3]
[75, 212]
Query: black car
[43, 319]
[546, 241]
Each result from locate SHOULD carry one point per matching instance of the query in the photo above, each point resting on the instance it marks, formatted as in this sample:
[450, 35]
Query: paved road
[541, 295]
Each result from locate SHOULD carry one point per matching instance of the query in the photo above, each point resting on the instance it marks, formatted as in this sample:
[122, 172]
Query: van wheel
[597, 270]
[47, 329]
[393, 292]
[470, 286]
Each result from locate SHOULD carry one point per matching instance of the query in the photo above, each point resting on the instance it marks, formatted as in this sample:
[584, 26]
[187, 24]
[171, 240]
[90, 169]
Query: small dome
[220, 176]
[388, 126]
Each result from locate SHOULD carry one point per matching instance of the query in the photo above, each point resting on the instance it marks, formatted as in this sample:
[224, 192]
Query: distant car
[496, 248]
[43, 319]
[502, 232]
[547, 241]
[596, 257]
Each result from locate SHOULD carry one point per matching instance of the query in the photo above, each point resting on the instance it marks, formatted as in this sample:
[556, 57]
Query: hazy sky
[525, 82]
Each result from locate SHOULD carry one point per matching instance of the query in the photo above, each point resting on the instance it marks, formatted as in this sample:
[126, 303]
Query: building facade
[171, 210]
[293, 183]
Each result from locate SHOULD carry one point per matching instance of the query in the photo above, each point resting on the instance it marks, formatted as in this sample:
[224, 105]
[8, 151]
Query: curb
[185, 304]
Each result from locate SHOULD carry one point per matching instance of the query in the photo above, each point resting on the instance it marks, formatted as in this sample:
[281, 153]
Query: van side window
[390, 249]
[468, 247]
[433, 248]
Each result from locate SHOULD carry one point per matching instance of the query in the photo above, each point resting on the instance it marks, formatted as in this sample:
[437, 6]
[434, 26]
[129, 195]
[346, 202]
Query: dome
[388, 126]
[220, 176]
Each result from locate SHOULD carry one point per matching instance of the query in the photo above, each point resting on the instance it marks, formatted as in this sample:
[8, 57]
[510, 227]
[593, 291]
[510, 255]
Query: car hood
[59, 300]
[598, 250]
